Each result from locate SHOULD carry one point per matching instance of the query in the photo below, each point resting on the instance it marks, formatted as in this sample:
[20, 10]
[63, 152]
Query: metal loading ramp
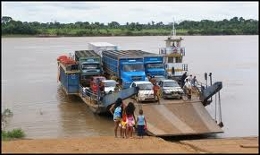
[182, 118]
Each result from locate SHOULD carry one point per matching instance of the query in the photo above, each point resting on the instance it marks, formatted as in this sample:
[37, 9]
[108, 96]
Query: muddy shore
[109, 144]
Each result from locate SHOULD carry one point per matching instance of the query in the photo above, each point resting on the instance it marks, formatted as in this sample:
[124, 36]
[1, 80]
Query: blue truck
[90, 64]
[126, 65]
[154, 64]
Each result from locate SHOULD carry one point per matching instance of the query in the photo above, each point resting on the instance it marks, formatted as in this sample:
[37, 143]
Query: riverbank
[109, 144]
[59, 36]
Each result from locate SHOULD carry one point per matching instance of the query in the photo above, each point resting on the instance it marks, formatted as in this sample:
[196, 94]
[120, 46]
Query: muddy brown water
[41, 108]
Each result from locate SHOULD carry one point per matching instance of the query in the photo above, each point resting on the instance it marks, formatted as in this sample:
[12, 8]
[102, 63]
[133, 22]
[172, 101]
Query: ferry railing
[200, 86]
[86, 92]
[172, 50]
[109, 99]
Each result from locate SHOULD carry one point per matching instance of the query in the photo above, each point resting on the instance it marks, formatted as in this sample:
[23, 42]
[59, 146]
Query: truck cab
[131, 70]
[154, 65]
[89, 65]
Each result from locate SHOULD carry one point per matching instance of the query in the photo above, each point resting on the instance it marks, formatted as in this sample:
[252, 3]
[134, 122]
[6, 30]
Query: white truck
[98, 47]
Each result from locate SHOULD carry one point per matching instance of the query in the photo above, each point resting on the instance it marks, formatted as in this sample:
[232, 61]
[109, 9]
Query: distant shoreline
[234, 26]
[60, 36]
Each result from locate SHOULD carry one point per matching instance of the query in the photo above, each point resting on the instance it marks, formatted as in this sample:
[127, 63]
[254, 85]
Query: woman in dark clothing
[183, 77]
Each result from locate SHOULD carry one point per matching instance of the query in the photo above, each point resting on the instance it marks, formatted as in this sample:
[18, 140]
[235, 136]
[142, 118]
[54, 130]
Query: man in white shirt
[189, 78]
[187, 88]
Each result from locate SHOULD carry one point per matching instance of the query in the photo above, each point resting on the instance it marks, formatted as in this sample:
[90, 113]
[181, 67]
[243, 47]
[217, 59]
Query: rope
[220, 113]
[215, 108]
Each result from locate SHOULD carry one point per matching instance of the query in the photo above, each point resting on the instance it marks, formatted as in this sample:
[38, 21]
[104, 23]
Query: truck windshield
[90, 66]
[133, 67]
[155, 66]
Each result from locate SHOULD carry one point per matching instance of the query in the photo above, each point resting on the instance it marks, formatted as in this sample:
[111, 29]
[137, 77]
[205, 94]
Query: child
[123, 125]
[130, 124]
[141, 124]
[116, 110]
[130, 119]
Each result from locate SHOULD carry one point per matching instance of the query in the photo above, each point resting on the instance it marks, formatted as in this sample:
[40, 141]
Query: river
[41, 108]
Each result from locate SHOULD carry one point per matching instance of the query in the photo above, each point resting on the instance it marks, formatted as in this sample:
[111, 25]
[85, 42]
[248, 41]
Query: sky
[123, 12]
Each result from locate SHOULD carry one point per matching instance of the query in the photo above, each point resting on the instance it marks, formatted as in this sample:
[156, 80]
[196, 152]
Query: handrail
[90, 94]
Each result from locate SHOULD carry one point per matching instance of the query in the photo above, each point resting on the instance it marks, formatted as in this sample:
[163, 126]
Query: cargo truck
[126, 65]
[90, 64]
[98, 47]
[154, 64]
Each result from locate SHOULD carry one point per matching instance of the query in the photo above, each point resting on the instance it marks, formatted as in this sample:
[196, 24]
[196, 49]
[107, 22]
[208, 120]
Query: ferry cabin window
[174, 60]
[170, 59]
[178, 60]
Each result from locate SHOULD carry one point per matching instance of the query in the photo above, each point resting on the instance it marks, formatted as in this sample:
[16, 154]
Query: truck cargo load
[98, 47]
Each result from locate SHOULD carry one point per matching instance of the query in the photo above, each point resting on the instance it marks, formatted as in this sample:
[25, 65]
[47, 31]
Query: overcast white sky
[122, 12]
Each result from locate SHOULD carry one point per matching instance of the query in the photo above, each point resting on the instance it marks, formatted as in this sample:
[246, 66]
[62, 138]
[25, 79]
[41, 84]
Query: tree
[114, 25]
[234, 26]
[5, 19]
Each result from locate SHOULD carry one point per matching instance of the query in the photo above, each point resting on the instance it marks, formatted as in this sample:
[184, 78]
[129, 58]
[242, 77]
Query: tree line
[234, 26]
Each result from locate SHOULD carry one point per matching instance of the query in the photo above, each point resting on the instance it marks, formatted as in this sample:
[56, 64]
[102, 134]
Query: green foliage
[234, 26]
[7, 112]
[15, 133]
